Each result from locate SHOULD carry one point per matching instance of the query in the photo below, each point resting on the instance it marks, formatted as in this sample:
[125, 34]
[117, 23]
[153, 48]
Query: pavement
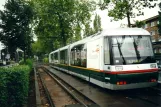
[37, 92]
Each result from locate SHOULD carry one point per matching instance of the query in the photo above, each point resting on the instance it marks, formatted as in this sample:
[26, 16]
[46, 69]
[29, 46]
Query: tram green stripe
[114, 78]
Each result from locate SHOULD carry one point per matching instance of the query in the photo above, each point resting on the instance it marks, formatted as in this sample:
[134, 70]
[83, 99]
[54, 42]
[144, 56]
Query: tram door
[94, 61]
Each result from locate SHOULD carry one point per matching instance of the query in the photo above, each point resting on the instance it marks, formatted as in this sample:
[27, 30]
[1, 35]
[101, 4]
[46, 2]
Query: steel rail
[46, 91]
[136, 96]
[62, 85]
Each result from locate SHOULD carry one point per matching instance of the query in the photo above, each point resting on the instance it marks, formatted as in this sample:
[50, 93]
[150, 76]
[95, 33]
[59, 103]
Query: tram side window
[78, 55]
[72, 54]
[84, 56]
[106, 51]
[56, 57]
[66, 56]
[63, 57]
[52, 57]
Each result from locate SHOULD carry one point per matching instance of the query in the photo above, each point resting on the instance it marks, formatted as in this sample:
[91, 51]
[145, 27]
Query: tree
[159, 25]
[61, 19]
[97, 23]
[139, 24]
[37, 48]
[88, 30]
[119, 9]
[16, 25]
[77, 33]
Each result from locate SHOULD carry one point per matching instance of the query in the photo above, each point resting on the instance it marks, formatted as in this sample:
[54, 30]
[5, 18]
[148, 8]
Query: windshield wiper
[136, 50]
[119, 47]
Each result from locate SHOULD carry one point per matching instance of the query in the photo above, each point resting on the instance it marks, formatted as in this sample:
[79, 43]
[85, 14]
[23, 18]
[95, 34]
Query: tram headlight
[153, 65]
[118, 68]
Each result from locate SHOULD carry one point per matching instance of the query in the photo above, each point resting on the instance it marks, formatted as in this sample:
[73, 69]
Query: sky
[106, 23]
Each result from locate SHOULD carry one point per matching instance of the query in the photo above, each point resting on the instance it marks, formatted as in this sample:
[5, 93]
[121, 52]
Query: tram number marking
[107, 78]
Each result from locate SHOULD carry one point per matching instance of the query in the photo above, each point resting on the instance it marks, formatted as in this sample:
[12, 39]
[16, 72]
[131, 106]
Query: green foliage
[46, 60]
[59, 20]
[119, 9]
[21, 62]
[28, 62]
[16, 25]
[97, 23]
[14, 86]
[139, 24]
[3, 87]
[88, 30]
[37, 48]
[77, 33]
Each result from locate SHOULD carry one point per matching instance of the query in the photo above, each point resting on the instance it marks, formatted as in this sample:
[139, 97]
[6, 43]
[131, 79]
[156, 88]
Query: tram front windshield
[132, 50]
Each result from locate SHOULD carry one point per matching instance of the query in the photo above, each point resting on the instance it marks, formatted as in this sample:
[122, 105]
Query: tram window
[78, 55]
[63, 56]
[72, 55]
[52, 57]
[84, 55]
[56, 57]
[106, 51]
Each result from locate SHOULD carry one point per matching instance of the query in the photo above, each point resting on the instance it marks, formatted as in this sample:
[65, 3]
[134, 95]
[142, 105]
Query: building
[151, 25]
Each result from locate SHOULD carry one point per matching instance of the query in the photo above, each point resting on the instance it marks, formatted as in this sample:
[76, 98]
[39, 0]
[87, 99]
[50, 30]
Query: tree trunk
[64, 38]
[62, 30]
[24, 55]
[128, 19]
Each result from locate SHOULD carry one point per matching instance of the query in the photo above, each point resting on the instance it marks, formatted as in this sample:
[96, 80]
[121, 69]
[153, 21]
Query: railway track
[71, 97]
[134, 98]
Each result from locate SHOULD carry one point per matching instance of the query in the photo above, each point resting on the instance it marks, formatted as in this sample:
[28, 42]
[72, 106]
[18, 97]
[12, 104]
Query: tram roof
[54, 51]
[81, 41]
[65, 47]
[108, 32]
[125, 31]
[113, 32]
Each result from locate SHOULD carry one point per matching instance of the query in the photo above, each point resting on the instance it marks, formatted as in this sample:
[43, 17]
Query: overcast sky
[107, 24]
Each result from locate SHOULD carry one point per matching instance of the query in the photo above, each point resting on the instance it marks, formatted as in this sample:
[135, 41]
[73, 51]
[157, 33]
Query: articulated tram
[116, 59]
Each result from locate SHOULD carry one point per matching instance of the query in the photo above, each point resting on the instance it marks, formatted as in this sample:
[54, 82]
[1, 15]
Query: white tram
[115, 59]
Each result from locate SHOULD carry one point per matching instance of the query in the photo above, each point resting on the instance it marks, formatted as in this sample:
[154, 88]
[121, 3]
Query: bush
[21, 62]
[14, 86]
[29, 62]
[46, 60]
[3, 87]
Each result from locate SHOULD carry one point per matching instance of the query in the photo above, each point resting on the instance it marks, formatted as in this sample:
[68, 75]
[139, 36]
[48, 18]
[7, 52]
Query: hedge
[29, 62]
[46, 60]
[14, 85]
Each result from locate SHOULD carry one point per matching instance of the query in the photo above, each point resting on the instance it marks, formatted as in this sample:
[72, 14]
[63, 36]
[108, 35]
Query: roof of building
[151, 18]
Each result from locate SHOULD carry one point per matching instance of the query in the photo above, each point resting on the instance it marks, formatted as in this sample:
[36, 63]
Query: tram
[115, 59]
